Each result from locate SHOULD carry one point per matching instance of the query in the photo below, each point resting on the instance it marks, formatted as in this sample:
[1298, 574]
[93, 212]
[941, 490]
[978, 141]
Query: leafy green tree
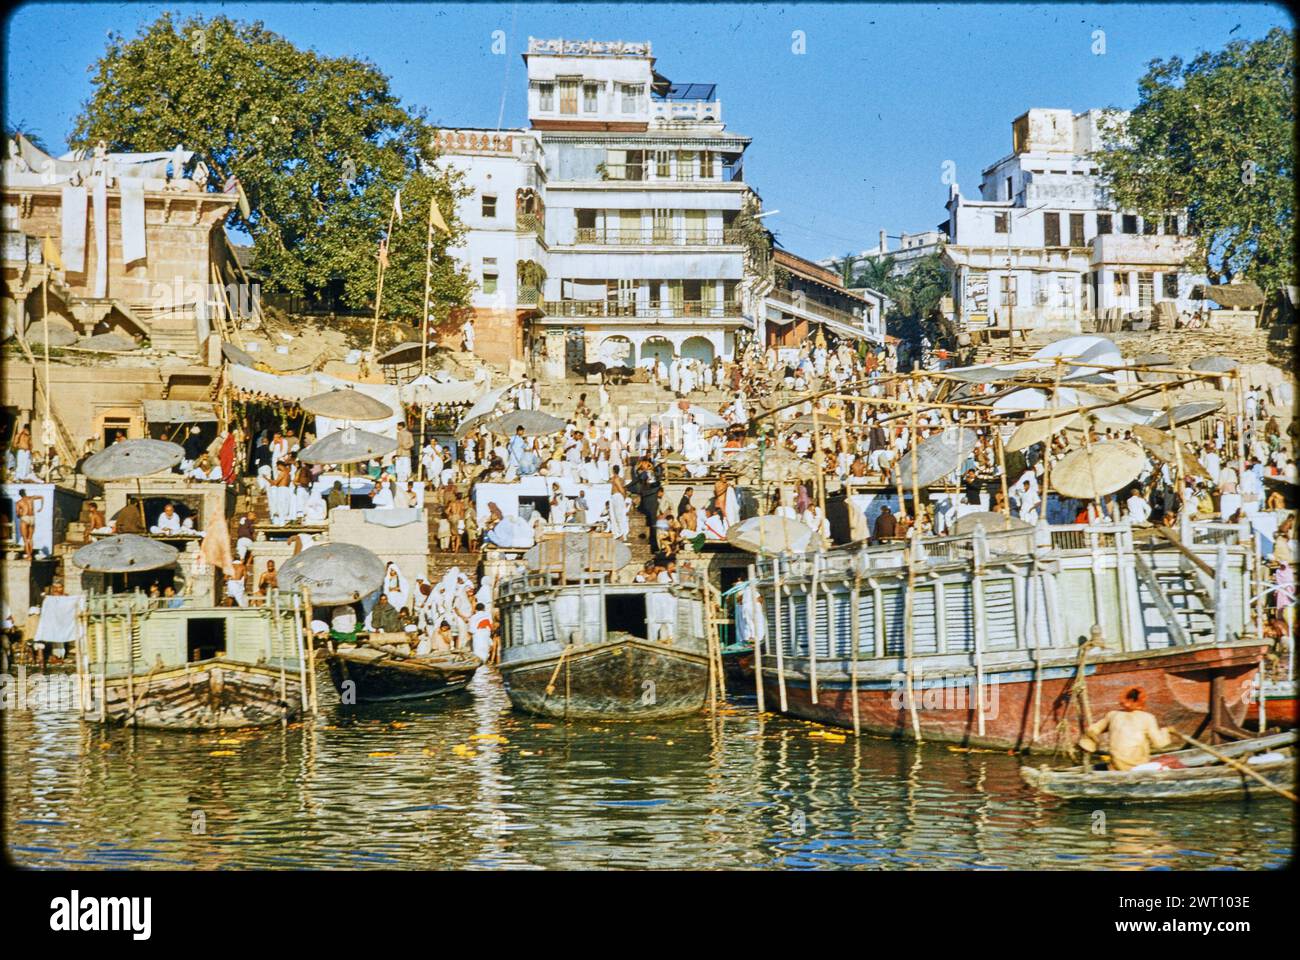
[845, 267]
[319, 144]
[916, 297]
[1214, 136]
[876, 273]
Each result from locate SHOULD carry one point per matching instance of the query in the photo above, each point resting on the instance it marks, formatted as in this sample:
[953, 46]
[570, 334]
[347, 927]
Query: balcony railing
[690, 110]
[529, 296]
[657, 237]
[648, 309]
[648, 173]
[530, 223]
[809, 305]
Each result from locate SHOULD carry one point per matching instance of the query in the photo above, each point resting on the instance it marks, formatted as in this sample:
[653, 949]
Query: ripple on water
[433, 786]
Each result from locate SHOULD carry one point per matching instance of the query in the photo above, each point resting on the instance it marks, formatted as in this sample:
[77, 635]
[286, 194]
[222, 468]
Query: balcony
[657, 237]
[529, 297]
[686, 111]
[526, 223]
[647, 173]
[815, 309]
[644, 309]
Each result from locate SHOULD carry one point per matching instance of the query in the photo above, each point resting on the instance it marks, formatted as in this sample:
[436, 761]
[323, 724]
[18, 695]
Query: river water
[467, 783]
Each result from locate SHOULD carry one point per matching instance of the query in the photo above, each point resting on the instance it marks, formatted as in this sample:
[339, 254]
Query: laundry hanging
[74, 229]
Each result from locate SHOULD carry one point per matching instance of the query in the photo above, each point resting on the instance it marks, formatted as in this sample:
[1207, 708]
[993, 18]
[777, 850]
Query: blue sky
[849, 137]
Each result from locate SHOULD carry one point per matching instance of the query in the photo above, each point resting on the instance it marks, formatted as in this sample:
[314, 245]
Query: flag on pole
[232, 185]
[397, 205]
[50, 253]
[435, 216]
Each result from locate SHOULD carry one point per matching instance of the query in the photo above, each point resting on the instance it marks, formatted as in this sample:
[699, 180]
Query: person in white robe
[383, 498]
[395, 586]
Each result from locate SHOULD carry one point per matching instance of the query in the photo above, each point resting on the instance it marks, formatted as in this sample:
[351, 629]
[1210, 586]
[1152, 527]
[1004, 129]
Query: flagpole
[424, 334]
[379, 282]
[428, 276]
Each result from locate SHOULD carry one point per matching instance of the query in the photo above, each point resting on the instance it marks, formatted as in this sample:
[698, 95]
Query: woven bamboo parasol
[349, 445]
[1098, 470]
[936, 456]
[125, 553]
[344, 403]
[1036, 431]
[534, 422]
[771, 534]
[1185, 413]
[334, 572]
[132, 459]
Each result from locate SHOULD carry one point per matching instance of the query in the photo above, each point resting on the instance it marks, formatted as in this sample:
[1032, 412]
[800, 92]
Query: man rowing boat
[1133, 732]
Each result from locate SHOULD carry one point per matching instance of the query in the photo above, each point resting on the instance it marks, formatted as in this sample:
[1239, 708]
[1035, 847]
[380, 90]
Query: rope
[550, 687]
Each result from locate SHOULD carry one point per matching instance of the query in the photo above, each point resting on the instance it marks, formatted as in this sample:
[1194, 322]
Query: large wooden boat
[190, 667]
[594, 649]
[973, 640]
[1279, 704]
[378, 672]
[1188, 775]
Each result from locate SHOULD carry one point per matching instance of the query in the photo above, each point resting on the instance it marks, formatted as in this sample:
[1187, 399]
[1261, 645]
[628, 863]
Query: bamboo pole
[1002, 468]
[977, 616]
[780, 641]
[301, 642]
[379, 281]
[758, 641]
[424, 321]
[810, 602]
[1236, 765]
[311, 651]
[1031, 615]
[130, 664]
[854, 624]
[909, 635]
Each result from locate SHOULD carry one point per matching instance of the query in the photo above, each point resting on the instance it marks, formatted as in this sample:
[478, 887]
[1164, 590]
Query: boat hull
[1212, 783]
[738, 668]
[361, 680]
[1279, 706]
[1186, 688]
[208, 695]
[617, 680]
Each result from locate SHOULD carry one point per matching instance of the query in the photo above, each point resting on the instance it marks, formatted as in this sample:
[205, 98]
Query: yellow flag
[50, 253]
[435, 217]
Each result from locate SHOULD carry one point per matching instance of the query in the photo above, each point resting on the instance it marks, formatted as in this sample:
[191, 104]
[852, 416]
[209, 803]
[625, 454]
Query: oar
[1237, 765]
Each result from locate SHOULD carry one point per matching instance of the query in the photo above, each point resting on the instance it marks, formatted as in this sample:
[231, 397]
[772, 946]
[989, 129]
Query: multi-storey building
[607, 230]
[1044, 248]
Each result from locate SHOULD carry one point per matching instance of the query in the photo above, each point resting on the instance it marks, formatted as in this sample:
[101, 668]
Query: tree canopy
[320, 144]
[916, 295]
[1214, 136]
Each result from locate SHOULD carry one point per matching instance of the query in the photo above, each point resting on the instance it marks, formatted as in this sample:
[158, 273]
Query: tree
[845, 267]
[916, 295]
[1214, 136]
[319, 144]
[876, 273]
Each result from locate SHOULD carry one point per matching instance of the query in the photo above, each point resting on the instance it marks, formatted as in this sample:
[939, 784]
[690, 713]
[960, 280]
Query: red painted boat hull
[1277, 713]
[1178, 684]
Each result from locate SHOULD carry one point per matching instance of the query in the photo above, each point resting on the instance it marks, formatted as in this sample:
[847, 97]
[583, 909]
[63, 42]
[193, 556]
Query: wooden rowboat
[365, 674]
[1200, 776]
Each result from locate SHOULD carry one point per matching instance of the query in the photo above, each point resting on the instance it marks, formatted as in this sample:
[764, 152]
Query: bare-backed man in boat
[1134, 732]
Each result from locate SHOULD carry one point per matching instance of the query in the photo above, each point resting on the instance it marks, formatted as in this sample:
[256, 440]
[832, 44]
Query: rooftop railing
[634, 237]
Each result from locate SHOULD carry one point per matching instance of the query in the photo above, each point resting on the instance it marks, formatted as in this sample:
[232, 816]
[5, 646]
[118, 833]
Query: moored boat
[193, 667]
[594, 649]
[1181, 775]
[1279, 704]
[381, 673]
[976, 640]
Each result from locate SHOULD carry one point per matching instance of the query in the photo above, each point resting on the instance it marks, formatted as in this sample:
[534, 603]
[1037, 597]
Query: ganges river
[468, 783]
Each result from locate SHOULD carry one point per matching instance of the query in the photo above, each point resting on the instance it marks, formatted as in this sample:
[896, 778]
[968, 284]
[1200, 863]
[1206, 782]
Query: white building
[911, 248]
[606, 231]
[1043, 248]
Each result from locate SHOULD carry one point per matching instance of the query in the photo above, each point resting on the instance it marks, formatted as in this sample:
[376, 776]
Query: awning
[179, 411]
[1234, 296]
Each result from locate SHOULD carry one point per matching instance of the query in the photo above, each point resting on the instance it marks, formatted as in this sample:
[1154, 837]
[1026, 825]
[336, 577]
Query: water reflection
[470, 784]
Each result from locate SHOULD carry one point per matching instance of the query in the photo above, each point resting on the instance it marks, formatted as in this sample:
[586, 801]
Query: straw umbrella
[534, 422]
[334, 573]
[125, 553]
[1102, 468]
[349, 445]
[132, 460]
[936, 456]
[771, 534]
[344, 403]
